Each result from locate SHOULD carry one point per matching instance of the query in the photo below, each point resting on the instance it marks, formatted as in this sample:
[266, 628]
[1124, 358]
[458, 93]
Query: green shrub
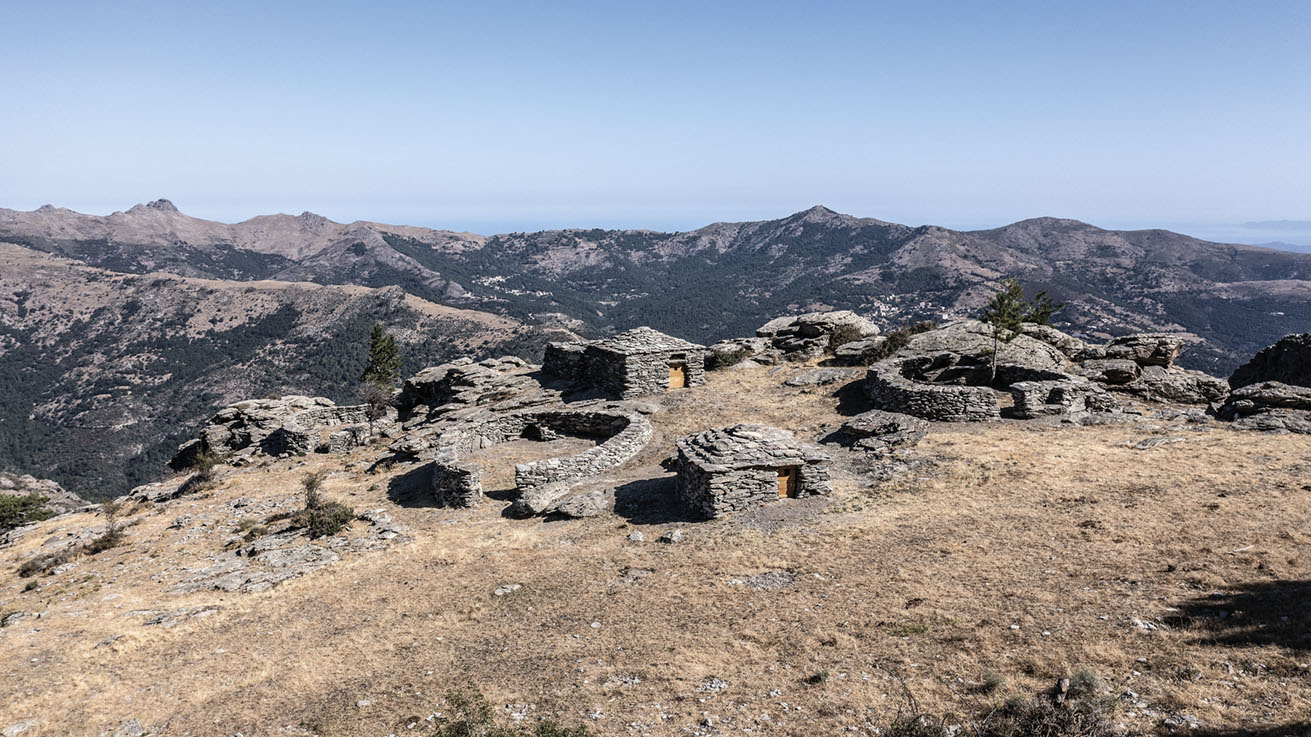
[112, 538]
[716, 360]
[327, 519]
[842, 335]
[16, 511]
[896, 340]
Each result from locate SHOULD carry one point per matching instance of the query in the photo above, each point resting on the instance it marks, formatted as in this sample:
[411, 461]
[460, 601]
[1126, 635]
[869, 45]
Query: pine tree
[1007, 312]
[384, 359]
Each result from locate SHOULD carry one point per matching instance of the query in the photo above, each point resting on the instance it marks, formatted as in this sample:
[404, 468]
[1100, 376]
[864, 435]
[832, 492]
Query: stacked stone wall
[889, 389]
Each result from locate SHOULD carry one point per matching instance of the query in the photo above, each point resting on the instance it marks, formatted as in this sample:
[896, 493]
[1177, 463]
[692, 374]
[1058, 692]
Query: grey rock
[589, 504]
[636, 536]
[1277, 421]
[1067, 344]
[878, 430]
[673, 536]
[1110, 370]
[1287, 362]
[1146, 349]
[821, 377]
[1173, 384]
[854, 353]
[130, 728]
[970, 345]
[508, 588]
[1061, 397]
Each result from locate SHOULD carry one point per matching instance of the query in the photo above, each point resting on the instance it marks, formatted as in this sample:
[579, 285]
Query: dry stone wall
[541, 483]
[889, 389]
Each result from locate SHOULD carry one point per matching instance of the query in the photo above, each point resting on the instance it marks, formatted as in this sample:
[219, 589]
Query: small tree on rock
[1007, 312]
[377, 400]
[384, 359]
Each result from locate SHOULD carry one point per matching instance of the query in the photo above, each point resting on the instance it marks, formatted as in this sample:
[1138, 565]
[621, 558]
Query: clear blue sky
[512, 115]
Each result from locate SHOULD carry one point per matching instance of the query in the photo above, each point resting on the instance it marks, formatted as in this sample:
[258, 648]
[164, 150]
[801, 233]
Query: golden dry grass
[1029, 552]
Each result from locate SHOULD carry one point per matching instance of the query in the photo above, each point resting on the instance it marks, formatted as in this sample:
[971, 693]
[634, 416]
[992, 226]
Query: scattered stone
[673, 536]
[636, 536]
[766, 581]
[588, 504]
[1153, 442]
[130, 728]
[508, 588]
[712, 685]
[14, 730]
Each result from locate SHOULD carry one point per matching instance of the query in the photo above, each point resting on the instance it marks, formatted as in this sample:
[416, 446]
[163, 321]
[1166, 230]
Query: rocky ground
[1165, 552]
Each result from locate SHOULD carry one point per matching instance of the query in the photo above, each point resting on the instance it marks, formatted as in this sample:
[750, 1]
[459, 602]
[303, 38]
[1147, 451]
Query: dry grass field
[1018, 553]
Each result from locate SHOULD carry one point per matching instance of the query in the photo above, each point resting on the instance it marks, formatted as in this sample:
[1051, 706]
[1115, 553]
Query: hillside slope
[727, 278]
[103, 373]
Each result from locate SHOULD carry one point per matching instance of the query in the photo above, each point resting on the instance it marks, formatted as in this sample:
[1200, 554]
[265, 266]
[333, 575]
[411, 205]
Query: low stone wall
[889, 389]
[541, 483]
[538, 483]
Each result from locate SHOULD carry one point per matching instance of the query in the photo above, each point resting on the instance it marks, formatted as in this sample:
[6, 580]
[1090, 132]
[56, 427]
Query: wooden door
[677, 375]
[787, 482]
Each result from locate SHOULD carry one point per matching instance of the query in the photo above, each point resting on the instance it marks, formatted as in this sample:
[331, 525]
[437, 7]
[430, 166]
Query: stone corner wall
[889, 389]
[564, 360]
[722, 491]
[648, 373]
[540, 484]
[456, 484]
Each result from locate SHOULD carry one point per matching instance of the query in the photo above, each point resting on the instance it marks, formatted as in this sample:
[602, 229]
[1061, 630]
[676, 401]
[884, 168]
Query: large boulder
[811, 334]
[970, 344]
[1269, 406]
[1146, 349]
[1174, 384]
[1067, 344]
[1288, 362]
[1110, 370]
[879, 431]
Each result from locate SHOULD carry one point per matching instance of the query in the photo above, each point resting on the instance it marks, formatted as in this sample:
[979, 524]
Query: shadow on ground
[851, 398]
[651, 502]
[412, 488]
[1262, 613]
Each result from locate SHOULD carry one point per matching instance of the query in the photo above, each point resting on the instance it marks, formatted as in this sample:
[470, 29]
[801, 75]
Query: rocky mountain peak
[162, 204]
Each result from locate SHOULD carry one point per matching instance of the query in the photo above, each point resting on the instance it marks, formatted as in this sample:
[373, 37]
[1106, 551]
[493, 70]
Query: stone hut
[743, 466]
[636, 363]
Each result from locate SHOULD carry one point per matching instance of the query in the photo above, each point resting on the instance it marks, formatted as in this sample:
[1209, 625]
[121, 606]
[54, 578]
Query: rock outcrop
[58, 500]
[967, 345]
[290, 425]
[811, 334]
[879, 432]
[1269, 406]
[1287, 361]
[1059, 397]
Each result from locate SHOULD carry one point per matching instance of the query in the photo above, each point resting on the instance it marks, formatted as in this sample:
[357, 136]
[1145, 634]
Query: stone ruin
[635, 363]
[743, 466]
[290, 425]
[945, 374]
[539, 486]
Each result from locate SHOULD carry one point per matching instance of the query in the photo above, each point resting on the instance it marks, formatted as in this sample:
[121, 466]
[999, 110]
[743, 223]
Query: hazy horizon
[522, 117]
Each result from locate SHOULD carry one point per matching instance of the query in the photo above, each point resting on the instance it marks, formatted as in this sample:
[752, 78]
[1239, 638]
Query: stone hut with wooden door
[743, 466]
[636, 363]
